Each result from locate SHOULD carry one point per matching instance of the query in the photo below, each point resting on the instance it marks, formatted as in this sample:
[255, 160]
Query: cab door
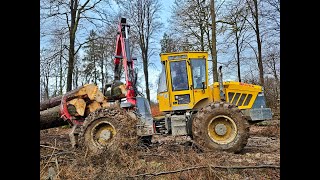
[199, 78]
[163, 91]
[181, 95]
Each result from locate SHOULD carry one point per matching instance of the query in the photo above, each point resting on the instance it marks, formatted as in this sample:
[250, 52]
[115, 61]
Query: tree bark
[72, 34]
[52, 102]
[70, 63]
[60, 67]
[214, 50]
[238, 55]
[50, 118]
[146, 75]
[260, 65]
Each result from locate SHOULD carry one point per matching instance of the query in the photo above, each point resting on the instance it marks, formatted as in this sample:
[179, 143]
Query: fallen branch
[42, 170]
[167, 172]
[56, 154]
[50, 147]
[246, 167]
[57, 165]
[200, 167]
[154, 155]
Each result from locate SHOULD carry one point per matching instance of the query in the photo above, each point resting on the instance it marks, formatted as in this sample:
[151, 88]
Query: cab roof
[183, 52]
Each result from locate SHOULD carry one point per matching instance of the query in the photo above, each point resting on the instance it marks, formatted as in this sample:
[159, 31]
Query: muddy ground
[168, 158]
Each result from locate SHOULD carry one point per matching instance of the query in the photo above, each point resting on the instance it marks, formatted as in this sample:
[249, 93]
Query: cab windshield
[179, 77]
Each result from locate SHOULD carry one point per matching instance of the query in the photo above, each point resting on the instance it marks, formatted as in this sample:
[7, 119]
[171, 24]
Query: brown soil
[168, 158]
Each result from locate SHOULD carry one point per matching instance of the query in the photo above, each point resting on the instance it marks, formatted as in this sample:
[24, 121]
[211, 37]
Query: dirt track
[168, 158]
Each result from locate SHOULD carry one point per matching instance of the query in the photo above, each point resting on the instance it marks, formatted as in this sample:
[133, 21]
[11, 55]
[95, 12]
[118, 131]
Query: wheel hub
[103, 134]
[222, 129]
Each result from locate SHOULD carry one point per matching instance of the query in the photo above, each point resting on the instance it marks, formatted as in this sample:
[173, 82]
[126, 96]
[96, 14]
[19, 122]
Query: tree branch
[201, 167]
[93, 6]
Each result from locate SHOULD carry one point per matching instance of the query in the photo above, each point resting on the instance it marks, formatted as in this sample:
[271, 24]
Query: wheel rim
[103, 134]
[222, 129]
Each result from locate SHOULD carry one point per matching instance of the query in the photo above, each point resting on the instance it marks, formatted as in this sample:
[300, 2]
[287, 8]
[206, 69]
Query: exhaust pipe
[222, 94]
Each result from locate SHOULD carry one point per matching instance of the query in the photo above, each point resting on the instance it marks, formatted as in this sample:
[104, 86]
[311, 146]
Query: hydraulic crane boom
[123, 53]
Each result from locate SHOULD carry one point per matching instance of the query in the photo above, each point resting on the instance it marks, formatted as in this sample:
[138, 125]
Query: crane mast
[123, 53]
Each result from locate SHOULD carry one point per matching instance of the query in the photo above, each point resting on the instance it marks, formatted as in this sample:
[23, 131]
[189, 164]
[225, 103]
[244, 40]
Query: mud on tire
[234, 142]
[120, 128]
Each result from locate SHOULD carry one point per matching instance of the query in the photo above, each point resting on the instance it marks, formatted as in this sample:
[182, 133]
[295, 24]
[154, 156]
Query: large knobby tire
[220, 126]
[110, 128]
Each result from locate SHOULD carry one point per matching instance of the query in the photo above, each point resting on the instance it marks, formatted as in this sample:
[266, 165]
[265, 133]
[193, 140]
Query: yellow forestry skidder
[215, 116]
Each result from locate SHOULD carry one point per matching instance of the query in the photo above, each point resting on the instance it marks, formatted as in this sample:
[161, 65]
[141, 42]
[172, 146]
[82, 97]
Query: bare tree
[272, 64]
[253, 9]
[143, 16]
[196, 20]
[189, 19]
[58, 43]
[272, 13]
[46, 63]
[214, 40]
[71, 12]
[235, 18]
[271, 92]
[76, 72]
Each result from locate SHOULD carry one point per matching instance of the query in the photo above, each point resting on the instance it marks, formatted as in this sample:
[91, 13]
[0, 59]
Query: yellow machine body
[193, 67]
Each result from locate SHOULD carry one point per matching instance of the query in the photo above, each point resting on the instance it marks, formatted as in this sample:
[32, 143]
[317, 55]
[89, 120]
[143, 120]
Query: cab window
[198, 67]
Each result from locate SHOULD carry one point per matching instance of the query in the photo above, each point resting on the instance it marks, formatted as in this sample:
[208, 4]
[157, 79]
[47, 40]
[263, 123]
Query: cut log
[50, 103]
[94, 106]
[79, 104]
[72, 110]
[50, 118]
[116, 92]
[92, 91]
[57, 100]
[77, 100]
[89, 90]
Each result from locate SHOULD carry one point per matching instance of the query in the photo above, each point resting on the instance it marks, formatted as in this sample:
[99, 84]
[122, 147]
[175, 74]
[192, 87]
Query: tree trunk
[50, 118]
[146, 75]
[72, 36]
[55, 87]
[238, 56]
[52, 102]
[276, 77]
[49, 103]
[60, 81]
[60, 66]
[201, 36]
[214, 50]
[70, 63]
[260, 65]
[76, 77]
[101, 68]
[46, 87]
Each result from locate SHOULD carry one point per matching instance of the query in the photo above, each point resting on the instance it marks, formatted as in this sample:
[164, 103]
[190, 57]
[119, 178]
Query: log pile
[80, 103]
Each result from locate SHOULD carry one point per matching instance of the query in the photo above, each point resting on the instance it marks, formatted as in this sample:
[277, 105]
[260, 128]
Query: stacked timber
[80, 103]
